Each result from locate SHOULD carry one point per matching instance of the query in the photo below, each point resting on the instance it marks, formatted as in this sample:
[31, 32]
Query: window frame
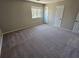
[37, 13]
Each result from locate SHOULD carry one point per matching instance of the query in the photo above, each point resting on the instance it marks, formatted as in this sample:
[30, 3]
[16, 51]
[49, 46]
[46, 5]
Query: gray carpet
[41, 42]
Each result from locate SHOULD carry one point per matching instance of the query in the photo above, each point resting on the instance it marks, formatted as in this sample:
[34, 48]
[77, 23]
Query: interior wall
[70, 11]
[17, 15]
[52, 11]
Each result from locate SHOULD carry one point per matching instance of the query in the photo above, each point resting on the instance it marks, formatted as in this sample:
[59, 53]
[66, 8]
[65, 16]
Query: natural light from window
[36, 12]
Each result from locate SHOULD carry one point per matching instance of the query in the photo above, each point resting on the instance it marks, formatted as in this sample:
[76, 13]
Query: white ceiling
[45, 1]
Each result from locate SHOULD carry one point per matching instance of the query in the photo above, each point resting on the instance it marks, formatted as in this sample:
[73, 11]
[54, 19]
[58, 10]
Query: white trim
[1, 39]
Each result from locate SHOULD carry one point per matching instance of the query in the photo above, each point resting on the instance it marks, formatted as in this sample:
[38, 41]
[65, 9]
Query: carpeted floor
[41, 41]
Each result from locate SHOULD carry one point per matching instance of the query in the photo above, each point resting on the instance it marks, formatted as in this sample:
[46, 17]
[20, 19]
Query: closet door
[58, 15]
[76, 27]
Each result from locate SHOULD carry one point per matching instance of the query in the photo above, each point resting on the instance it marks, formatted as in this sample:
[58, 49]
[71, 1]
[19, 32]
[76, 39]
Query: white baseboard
[22, 28]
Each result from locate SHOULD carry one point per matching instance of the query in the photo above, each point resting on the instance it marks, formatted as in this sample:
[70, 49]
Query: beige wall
[17, 15]
[51, 11]
[70, 12]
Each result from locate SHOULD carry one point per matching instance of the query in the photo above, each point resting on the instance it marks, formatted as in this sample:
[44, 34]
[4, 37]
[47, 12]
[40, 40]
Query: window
[46, 15]
[36, 12]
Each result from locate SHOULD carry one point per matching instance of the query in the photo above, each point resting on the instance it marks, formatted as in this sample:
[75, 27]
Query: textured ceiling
[45, 1]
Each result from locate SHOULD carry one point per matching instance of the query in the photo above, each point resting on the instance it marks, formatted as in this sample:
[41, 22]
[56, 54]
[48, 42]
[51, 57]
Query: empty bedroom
[39, 28]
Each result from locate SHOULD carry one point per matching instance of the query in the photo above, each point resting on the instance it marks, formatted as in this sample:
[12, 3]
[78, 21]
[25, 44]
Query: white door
[58, 15]
[76, 27]
[76, 24]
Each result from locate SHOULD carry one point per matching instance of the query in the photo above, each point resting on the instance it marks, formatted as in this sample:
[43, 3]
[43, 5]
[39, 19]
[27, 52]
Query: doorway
[58, 15]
